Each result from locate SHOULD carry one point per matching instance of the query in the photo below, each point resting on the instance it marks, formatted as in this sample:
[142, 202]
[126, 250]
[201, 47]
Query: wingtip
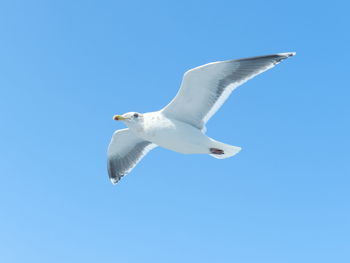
[114, 181]
[288, 54]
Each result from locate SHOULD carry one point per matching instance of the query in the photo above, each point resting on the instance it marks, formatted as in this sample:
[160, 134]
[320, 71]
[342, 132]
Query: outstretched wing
[204, 89]
[124, 152]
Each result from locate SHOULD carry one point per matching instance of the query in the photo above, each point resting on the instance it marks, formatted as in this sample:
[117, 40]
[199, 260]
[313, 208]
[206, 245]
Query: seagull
[180, 126]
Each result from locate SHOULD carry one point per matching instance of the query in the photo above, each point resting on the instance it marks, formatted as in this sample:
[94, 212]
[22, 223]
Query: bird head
[129, 117]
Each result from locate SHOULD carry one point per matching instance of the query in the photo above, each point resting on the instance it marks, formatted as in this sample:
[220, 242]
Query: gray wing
[204, 89]
[124, 152]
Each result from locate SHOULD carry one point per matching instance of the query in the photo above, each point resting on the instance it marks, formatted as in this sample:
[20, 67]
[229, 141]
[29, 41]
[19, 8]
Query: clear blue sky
[66, 67]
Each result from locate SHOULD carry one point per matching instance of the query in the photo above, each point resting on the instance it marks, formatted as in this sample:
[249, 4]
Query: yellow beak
[118, 118]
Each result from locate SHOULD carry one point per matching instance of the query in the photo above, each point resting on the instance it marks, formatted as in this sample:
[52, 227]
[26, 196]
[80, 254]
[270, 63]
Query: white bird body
[172, 134]
[180, 126]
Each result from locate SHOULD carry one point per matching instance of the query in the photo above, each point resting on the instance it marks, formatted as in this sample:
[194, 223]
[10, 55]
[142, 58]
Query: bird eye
[136, 115]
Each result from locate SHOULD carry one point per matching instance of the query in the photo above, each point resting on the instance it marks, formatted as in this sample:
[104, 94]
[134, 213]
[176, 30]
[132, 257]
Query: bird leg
[216, 151]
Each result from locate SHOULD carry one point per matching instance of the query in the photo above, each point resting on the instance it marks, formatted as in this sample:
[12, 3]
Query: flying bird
[180, 126]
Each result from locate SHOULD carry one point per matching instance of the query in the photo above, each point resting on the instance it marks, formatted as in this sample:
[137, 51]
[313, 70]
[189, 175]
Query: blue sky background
[66, 67]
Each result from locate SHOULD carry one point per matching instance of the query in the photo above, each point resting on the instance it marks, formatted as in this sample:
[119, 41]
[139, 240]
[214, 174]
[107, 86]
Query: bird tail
[221, 150]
